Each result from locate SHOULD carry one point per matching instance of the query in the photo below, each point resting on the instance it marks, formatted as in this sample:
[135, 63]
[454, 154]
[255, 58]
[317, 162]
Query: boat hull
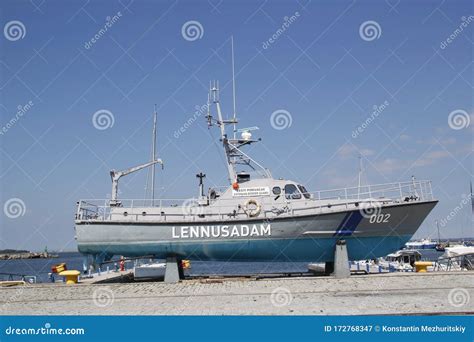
[302, 238]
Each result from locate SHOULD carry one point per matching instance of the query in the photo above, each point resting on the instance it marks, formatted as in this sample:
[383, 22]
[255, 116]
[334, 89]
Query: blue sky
[323, 69]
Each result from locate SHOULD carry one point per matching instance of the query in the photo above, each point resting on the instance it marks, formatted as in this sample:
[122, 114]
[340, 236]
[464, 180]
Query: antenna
[208, 116]
[248, 129]
[233, 85]
[153, 159]
[215, 91]
[201, 176]
[360, 176]
[472, 200]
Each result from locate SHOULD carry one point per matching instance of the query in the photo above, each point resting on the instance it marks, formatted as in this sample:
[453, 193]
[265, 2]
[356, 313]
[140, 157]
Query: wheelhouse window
[305, 192]
[291, 192]
[276, 190]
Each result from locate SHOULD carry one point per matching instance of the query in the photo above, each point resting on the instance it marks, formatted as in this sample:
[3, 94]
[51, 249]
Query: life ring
[252, 212]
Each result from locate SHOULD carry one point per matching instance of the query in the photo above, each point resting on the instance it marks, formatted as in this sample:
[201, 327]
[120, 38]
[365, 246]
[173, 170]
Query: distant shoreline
[13, 254]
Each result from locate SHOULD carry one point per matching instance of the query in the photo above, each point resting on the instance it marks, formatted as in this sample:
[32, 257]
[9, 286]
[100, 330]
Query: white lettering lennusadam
[189, 232]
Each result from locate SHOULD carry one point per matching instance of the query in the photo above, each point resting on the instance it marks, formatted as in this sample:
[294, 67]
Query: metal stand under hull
[174, 270]
[341, 260]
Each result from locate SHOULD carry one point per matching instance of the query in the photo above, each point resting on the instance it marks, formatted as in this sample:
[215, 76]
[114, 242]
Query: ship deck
[396, 293]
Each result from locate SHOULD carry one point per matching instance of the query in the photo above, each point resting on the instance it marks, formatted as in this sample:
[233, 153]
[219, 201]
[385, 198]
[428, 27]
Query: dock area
[106, 277]
[396, 293]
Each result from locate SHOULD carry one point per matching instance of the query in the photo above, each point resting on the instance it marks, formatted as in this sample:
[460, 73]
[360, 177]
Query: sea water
[74, 261]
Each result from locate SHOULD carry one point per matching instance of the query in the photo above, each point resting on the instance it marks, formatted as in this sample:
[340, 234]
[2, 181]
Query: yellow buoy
[71, 276]
[422, 266]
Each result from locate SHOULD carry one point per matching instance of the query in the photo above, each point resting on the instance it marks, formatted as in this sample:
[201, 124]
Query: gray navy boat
[255, 217]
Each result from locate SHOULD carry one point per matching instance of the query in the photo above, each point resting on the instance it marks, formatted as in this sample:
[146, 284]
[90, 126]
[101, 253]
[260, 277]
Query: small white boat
[399, 261]
[422, 244]
[403, 260]
[456, 258]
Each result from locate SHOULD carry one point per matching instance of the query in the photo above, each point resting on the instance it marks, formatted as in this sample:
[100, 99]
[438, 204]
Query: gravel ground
[400, 293]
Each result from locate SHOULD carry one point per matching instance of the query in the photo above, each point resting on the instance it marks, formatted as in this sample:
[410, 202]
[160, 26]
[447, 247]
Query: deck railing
[193, 209]
[455, 263]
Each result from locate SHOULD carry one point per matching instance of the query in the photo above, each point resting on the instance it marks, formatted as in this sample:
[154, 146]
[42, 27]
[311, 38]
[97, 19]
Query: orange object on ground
[59, 268]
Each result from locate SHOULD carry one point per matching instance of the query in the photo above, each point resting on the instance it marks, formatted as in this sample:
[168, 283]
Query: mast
[153, 158]
[116, 175]
[232, 146]
[221, 123]
[360, 175]
[439, 236]
[235, 156]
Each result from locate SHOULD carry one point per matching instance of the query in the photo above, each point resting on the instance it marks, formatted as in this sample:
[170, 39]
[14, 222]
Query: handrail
[226, 207]
[314, 192]
[459, 261]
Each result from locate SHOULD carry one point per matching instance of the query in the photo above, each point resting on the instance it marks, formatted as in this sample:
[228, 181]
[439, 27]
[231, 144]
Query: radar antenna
[232, 147]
